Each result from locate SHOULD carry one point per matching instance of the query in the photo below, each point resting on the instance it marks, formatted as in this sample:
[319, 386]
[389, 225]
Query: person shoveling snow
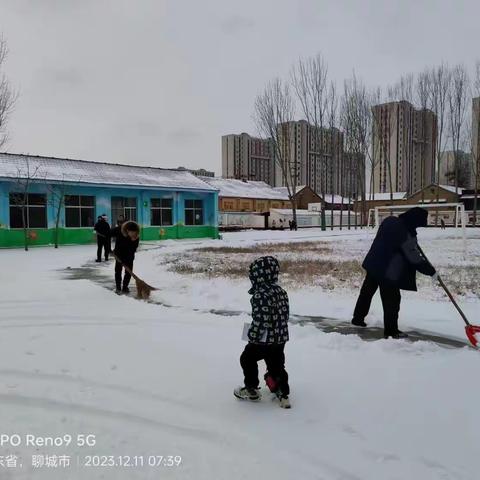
[392, 264]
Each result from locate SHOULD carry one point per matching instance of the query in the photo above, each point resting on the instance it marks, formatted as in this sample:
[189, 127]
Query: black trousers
[390, 300]
[118, 274]
[274, 357]
[103, 244]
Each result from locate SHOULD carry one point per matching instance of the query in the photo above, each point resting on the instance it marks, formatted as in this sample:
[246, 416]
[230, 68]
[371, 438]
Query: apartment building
[248, 158]
[404, 147]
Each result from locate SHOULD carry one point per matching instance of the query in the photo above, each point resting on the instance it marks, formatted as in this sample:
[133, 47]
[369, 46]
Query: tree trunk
[25, 230]
[331, 212]
[293, 201]
[475, 205]
[57, 223]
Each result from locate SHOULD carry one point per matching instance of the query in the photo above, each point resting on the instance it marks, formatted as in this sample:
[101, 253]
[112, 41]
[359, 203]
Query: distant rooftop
[230, 187]
[386, 196]
[82, 171]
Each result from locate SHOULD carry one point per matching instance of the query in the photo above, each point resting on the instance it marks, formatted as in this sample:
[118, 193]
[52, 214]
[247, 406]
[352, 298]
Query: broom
[143, 288]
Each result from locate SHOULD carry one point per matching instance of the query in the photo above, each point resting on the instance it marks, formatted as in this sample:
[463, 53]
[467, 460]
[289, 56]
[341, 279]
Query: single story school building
[167, 204]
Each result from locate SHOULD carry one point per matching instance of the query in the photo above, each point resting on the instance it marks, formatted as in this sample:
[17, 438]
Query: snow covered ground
[148, 379]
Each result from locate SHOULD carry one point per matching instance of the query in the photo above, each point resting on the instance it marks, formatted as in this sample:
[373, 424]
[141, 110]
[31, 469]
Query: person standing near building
[102, 229]
[391, 265]
[127, 239]
[120, 220]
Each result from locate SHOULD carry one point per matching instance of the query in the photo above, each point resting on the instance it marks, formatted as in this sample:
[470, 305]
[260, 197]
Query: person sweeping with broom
[127, 240]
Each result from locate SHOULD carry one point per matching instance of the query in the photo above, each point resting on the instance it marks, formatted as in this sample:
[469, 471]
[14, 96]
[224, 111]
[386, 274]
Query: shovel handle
[450, 296]
[126, 267]
[447, 291]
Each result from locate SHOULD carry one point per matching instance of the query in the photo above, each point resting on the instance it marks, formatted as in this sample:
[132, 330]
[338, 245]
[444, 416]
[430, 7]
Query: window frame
[78, 208]
[28, 207]
[195, 209]
[161, 209]
[126, 207]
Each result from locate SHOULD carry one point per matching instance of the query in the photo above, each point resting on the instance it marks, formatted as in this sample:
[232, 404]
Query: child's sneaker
[244, 393]
[285, 402]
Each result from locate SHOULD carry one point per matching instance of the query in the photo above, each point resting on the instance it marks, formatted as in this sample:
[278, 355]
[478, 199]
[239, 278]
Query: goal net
[439, 215]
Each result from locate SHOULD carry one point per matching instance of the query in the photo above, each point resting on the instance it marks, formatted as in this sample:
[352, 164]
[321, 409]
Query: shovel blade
[472, 331]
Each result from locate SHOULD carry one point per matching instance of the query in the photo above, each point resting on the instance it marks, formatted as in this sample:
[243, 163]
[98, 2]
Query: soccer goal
[439, 215]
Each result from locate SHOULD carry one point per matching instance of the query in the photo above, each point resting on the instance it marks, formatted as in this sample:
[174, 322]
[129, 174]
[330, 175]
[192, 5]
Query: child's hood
[264, 271]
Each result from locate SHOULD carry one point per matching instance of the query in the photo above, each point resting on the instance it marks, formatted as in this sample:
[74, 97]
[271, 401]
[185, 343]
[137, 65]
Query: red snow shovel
[470, 330]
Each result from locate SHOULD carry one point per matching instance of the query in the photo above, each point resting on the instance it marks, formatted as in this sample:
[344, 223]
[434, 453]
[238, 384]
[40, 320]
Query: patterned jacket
[270, 307]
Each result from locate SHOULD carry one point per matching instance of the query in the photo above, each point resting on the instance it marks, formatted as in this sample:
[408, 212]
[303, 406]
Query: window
[35, 210]
[161, 212]
[193, 212]
[124, 206]
[79, 211]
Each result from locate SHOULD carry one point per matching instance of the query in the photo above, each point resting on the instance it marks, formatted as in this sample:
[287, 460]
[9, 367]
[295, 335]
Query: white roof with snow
[284, 190]
[287, 211]
[337, 199]
[452, 189]
[230, 187]
[385, 196]
[80, 171]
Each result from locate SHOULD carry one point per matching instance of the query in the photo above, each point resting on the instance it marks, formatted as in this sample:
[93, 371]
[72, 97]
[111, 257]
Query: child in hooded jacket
[268, 332]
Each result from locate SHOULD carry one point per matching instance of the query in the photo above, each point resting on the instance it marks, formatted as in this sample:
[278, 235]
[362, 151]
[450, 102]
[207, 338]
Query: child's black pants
[274, 357]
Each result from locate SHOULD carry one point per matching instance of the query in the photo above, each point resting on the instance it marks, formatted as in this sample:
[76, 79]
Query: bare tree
[458, 97]
[404, 89]
[422, 97]
[356, 120]
[274, 112]
[56, 195]
[7, 95]
[384, 122]
[334, 151]
[439, 87]
[309, 80]
[475, 145]
[23, 181]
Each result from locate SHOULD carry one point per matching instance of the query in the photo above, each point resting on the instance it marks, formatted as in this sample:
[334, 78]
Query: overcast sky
[157, 82]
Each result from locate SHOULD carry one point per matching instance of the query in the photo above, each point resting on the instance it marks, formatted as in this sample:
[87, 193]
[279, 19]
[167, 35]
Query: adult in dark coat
[391, 265]
[126, 244]
[102, 228]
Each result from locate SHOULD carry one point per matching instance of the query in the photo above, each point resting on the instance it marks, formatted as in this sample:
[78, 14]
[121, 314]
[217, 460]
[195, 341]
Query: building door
[124, 206]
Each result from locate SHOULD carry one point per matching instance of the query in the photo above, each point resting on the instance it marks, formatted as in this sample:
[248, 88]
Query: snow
[452, 189]
[148, 379]
[229, 187]
[80, 171]
[386, 196]
[284, 190]
[337, 199]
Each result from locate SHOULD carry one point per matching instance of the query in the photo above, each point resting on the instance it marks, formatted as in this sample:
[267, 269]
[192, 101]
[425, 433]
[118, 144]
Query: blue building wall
[103, 195]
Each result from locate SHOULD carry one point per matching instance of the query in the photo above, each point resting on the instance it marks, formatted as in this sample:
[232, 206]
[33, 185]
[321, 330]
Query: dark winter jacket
[103, 228]
[270, 307]
[394, 257]
[125, 248]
